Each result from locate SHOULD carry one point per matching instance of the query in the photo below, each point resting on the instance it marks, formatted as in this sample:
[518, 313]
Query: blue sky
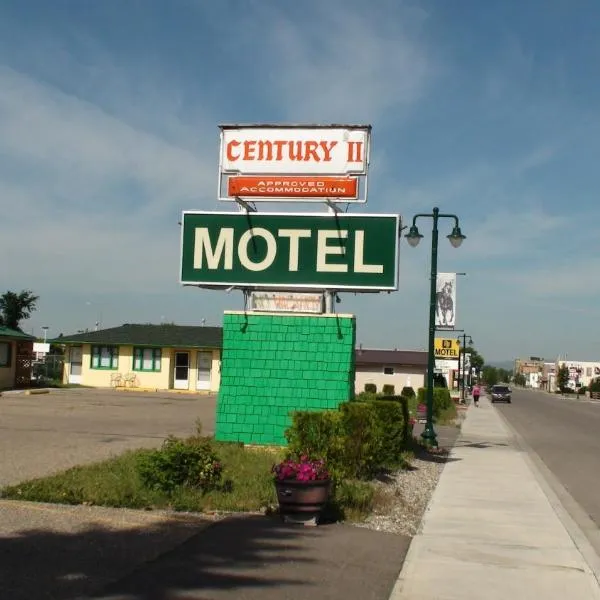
[108, 129]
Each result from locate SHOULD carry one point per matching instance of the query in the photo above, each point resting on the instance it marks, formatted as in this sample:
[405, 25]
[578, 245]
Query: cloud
[512, 233]
[343, 61]
[76, 150]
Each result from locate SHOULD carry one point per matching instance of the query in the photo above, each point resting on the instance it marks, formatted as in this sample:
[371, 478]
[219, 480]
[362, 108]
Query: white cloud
[74, 150]
[345, 61]
[512, 232]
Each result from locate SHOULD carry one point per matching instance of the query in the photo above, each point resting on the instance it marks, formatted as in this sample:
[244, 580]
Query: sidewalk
[490, 531]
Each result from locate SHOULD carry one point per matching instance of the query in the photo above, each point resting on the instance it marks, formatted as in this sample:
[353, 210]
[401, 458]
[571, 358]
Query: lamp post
[413, 237]
[461, 355]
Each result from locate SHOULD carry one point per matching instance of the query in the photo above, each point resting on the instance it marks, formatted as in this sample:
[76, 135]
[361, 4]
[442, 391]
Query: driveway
[45, 433]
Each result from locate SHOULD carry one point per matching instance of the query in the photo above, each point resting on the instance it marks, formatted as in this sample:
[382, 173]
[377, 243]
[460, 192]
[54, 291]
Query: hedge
[357, 440]
[441, 399]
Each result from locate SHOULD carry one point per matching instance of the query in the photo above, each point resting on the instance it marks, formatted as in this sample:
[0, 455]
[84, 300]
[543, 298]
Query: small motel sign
[290, 251]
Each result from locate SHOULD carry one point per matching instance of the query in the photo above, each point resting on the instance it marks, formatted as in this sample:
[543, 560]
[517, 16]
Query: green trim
[8, 363]
[114, 357]
[156, 358]
[7, 332]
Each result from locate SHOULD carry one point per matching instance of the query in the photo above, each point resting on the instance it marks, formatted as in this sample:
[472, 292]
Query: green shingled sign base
[275, 364]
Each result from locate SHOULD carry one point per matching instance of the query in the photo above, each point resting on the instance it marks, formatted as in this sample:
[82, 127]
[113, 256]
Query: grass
[246, 486]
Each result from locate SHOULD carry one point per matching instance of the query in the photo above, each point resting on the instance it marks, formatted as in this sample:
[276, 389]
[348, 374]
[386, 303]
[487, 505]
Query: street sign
[446, 348]
[290, 251]
[294, 162]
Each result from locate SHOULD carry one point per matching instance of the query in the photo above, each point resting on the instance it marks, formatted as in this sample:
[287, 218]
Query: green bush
[370, 388]
[594, 385]
[442, 400]
[388, 389]
[316, 433]
[180, 463]
[358, 440]
[365, 397]
[392, 423]
[407, 392]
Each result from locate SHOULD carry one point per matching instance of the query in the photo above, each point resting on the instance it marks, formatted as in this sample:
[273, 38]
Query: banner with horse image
[445, 301]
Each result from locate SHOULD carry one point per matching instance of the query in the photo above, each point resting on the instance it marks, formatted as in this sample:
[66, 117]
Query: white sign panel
[281, 150]
[290, 302]
[445, 303]
[446, 364]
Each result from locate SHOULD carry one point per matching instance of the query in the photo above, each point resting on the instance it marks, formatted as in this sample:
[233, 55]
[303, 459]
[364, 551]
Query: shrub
[408, 392]
[357, 440]
[442, 400]
[180, 463]
[388, 389]
[317, 434]
[365, 397]
[594, 385]
[393, 432]
[370, 388]
[583, 389]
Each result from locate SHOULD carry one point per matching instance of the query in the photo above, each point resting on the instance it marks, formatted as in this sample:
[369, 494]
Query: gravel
[402, 497]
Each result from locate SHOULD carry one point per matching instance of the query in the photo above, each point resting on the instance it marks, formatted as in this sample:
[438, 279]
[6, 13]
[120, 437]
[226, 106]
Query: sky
[109, 114]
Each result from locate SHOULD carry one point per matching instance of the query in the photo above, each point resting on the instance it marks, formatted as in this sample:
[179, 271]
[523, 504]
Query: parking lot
[45, 433]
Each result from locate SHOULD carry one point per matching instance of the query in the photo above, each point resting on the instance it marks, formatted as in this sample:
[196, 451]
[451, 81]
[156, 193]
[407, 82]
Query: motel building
[145, 357]
[188, 359]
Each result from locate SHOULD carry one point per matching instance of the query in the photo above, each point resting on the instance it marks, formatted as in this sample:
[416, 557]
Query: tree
[490, 375]
[519, 379]
[477, 361]
[14, 307]
[562, 378]
[504, 375]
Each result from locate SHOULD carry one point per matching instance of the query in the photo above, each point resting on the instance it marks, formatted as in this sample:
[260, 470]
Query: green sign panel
[286, 250]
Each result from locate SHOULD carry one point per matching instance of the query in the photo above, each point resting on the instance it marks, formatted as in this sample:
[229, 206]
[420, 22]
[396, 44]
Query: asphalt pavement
[564, 433]
[45, 433]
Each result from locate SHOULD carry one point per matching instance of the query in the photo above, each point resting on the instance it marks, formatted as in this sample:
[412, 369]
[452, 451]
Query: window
[146, 359]
[5, 354]
[388, 370]
[105, 357]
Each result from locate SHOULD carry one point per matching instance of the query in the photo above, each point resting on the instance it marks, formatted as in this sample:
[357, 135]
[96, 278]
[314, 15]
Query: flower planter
[302, 501]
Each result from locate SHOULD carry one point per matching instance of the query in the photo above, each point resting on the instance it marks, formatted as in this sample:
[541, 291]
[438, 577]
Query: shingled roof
[409, 358]
[14, 334]
[160, 336]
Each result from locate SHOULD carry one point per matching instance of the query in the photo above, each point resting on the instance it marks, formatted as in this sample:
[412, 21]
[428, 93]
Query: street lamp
[461, 354]
[413, 237]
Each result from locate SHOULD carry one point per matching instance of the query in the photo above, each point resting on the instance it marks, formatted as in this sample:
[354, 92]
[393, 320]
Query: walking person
[476, 394]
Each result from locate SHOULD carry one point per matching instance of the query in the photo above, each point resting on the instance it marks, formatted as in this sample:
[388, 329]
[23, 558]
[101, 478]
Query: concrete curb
[573, 518]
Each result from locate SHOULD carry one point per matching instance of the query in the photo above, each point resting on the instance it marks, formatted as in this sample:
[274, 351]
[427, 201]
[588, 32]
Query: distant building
[581, 373]
[532, 369]
[400, 368]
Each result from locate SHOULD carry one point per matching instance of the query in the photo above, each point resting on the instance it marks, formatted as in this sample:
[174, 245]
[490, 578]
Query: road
[42, 434]
[565, 434]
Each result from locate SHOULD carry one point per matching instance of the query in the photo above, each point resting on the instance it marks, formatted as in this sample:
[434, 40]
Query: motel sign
[286, 250]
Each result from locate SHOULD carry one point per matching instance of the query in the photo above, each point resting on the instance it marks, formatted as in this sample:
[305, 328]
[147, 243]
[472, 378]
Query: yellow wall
[162, 380]
[7, 374]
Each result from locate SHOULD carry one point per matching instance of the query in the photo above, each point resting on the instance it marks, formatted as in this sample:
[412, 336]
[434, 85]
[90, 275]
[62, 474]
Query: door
[181, 377]
[76, 359]
[204, 365]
